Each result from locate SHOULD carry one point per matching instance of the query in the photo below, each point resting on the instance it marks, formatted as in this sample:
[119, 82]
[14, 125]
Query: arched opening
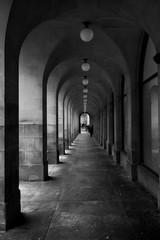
[124, 115]
[154, 129]
[150, 107]
[31, 112]
[148, 173]
[84, 122]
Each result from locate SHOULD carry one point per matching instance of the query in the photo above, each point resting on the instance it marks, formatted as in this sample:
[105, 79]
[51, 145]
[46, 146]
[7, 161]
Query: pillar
[104, 126]
[65, 146]
[51, 121]
[118, 128]
[9, 131]
[101, 126]
[110, 126]
[158, 67]
[60, 125]
[69, 124]
[133, 151]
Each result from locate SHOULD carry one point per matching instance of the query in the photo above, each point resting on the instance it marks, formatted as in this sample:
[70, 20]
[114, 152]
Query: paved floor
[88, 197]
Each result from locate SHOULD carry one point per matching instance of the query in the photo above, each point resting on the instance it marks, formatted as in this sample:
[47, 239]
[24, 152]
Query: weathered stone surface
[32, 130]
[31, 172]
[52, 157]
[26, 144]
[88, 197]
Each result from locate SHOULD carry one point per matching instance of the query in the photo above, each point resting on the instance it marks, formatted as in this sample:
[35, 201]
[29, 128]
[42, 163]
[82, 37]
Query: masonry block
[32, 130]
[116, 156]
[26, 144]
[2, 164]
[149, 180]
[52, 157]
[33, 157]
[31, 152]
[10, 216]
[2, 138]
[32, 172]
[38, 144]
[1, 189]
[132, 163]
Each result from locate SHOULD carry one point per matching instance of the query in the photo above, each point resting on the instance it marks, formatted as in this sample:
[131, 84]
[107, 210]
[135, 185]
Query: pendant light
[86, 33]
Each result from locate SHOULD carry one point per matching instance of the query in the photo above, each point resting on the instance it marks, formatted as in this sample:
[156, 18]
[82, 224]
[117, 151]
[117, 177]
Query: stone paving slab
[88, 197]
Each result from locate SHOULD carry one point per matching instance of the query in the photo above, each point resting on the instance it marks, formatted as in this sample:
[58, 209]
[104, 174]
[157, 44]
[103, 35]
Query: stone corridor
[87, 197]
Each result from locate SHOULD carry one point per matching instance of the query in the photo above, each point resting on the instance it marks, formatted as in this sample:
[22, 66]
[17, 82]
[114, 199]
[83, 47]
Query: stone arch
[15, 35]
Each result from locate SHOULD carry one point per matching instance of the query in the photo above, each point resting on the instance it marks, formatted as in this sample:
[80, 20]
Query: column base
[64, 147]
[133, 160]
[60, 148]
[117, 156]
[66, 144]
[69, 142]
[109, 149]
[104, 144]
[52, 157]
[158, 201]
[57, 156]
[45, 176]
[10, 212]
[131, 170]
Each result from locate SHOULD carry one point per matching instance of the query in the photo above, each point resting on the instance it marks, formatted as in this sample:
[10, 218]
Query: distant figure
[87, 128]
[91, 130]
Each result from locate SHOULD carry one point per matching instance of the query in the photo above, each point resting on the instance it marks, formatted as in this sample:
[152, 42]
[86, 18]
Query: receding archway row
[33, 78]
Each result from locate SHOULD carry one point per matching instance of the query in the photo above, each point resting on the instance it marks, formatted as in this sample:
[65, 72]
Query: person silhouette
[91, 130]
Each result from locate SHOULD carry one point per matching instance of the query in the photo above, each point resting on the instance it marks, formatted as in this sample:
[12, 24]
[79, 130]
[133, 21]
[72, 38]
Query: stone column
[96, 120]
[60, 126]
[71, 128]
[99, 132]
[75, 125]
[101, 126]
[118, 128]
[157, 60]
[133, 150]
[110, 126]
[69, 124]
[31, 155]
[104, 126]
[51, 123]
[9, 155]
[65, 121]
[9, 132]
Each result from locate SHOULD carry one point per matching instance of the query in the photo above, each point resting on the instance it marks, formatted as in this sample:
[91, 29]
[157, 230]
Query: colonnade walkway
[88, 197]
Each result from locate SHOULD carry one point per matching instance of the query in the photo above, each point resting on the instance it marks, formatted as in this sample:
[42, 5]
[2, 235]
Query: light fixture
[84, 95]
[86, 33]
[85, 66]
[85, 90]
[85, 81]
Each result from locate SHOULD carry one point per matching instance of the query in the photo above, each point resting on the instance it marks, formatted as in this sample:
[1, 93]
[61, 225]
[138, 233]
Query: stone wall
[30, 152]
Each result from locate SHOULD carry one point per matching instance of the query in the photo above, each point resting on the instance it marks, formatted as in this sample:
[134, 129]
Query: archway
[84, 122]
[15, 35]
[148, 170]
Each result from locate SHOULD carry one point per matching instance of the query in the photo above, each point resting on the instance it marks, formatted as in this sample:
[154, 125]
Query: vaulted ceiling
[46, 33]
